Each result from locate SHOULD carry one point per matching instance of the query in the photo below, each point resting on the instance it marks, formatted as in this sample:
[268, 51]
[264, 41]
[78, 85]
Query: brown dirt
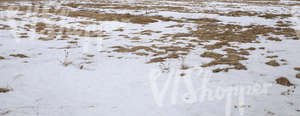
[2, 58]
[283, 81]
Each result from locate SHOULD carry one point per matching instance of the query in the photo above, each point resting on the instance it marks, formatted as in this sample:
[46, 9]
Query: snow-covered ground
[131, 58]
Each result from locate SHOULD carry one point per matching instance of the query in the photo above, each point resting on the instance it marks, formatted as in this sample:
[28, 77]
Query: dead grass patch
[282, 24]
[129, 7]
[273, 63]
[45, 38]
[135, 38]
[240, 13]
[212, 55]
[271, 16]
[217, 45]
[148, 32]
[274, 39]
[251, 48]
[90, 55]
[283, 81]
[231, 59]
[203, 20]
[4, 27]
[137, 19]
[4, 90]
[248, 13]
[73, 42]
[298, 75]
[119, 29]
[297, 68]
[178, 25]
[272, 56]
[19, 55]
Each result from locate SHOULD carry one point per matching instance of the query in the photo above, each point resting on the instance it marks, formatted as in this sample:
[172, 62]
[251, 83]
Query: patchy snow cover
[82, 75]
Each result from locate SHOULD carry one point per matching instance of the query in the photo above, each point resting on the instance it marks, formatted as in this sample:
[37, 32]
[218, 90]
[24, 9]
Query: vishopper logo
[39, 15]
[192, 86]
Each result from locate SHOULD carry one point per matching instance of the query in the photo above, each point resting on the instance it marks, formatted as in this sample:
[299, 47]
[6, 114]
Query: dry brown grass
[274, 39]
[4, 27]
[19, 55]
[297, 68]
[273, 63]
[283, 24]
[137, 19]
[212, 55]
[231, 60]
[4, 90]
[178, 25]
[272, 56]
[283, 81]
[271, 16]
[208, 29]
[298, 75]
[248, 13]
[128, 7]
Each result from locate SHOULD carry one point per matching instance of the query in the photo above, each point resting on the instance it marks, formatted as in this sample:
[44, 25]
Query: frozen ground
[97, 58]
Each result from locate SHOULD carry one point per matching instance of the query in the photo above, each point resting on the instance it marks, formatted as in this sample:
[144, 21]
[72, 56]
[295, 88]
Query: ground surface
[96, 58]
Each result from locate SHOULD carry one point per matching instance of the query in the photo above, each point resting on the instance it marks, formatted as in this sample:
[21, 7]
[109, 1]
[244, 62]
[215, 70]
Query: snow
[120, 85]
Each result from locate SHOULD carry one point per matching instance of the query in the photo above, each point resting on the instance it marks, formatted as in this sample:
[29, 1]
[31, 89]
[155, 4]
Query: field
[149, 57]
